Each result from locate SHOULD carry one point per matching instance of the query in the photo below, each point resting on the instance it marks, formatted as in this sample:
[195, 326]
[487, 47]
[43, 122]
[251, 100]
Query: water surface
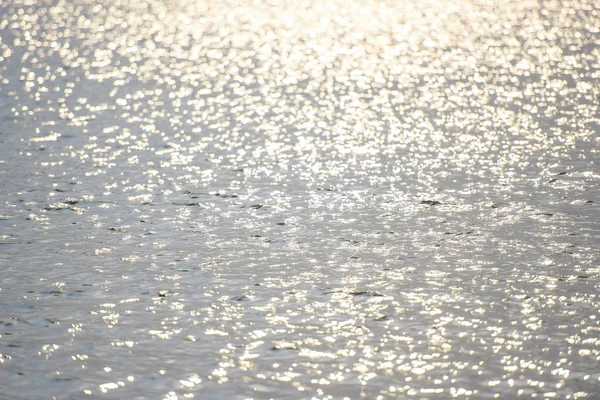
[304, 200]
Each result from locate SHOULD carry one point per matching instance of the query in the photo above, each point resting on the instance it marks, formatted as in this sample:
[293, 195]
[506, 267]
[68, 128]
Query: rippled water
[304, 200]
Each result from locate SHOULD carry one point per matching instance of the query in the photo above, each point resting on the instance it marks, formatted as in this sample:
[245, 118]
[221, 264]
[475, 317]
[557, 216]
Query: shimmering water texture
[299, 200]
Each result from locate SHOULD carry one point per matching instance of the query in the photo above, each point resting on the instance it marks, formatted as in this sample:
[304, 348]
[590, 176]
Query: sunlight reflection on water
[292, 199]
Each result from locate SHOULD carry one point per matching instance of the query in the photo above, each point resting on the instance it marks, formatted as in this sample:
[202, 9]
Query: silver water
[304, 200]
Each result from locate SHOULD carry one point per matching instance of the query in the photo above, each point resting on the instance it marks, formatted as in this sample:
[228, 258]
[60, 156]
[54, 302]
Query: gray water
[302, 200]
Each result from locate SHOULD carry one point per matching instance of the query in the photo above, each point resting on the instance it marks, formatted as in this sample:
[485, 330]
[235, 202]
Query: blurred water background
[299, 199]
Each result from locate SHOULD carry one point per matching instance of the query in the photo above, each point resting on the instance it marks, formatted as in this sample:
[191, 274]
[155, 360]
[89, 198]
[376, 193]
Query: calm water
[302, 200]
